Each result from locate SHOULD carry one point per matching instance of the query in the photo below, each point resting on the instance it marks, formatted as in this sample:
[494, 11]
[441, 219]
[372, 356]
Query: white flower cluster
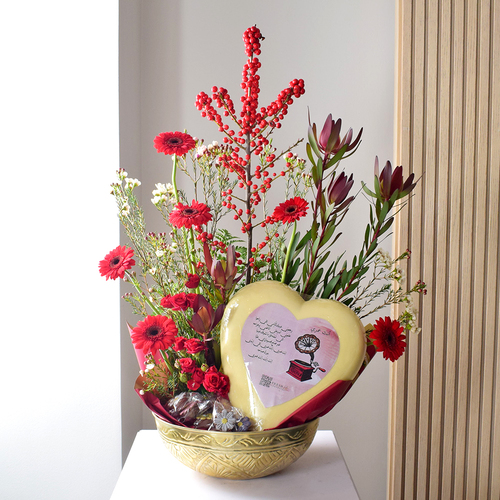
[384, 258]
[163, 193]
[409, 316]
[121, 174]
[203, 149]
[132, 183]
[397, 274]
[125, 209]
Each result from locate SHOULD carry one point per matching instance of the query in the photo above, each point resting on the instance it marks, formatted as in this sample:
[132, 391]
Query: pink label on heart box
[285, 356]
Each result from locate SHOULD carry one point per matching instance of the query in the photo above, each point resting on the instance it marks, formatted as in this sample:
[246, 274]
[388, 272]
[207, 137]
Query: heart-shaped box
[280, 352]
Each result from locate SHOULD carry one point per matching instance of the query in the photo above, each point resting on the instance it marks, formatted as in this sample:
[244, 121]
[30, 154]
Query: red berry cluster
[251, 39]
[254, 126]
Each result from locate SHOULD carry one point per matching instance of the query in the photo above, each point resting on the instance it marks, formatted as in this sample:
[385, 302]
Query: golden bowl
[237, 455]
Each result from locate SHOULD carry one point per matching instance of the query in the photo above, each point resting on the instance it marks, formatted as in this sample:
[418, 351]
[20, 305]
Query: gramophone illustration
[301, 370]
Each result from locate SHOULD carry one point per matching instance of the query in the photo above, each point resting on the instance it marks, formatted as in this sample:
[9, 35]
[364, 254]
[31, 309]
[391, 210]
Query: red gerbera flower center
[173, 141]
[115, 262]
[153, 331]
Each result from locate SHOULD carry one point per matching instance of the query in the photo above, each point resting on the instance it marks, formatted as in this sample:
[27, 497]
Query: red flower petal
[186, 216]
[193, 281]
[387, 337]
[116, 263]
[174, 143]
[154, 333]
[291, 210]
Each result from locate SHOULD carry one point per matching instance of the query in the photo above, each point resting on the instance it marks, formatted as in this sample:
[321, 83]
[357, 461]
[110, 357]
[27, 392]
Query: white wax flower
[132, 183]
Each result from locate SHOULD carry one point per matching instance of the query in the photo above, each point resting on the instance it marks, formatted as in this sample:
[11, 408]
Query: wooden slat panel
[398, 377]
[445, 401]
[492, 306]
[442, 228]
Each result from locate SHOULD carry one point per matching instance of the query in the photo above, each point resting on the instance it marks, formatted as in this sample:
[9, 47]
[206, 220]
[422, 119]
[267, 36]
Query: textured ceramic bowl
[237, 455]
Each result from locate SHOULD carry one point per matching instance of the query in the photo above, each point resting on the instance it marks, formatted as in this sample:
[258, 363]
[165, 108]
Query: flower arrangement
[186, 275]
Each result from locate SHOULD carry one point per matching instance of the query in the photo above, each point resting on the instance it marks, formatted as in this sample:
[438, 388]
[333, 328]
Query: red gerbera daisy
[117, 262]
[174, 143]
[154, 333]
[387, 337]
[291, 210]
[187, 216]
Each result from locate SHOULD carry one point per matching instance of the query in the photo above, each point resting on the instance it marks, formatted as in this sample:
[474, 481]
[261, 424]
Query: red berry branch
[254, 126]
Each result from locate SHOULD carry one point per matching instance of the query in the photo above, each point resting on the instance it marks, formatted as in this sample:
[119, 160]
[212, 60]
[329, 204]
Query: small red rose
[198, 375]
[193, 385]
[179, 301]
[194, 346]
[216, 382]
[187, 365]
[193, 281]
[179, 343]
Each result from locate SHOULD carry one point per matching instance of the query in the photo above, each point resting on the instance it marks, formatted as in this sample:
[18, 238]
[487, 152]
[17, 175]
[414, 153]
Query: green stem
[174, 181]
[287, 257]
[191, 241]
[137, 286]
[188, 241]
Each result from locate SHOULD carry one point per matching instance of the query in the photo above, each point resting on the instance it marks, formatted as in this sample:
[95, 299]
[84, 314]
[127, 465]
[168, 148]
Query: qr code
[266, 381]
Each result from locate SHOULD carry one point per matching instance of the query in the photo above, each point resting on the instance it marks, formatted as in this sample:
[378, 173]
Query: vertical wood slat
[445, 403]
[492, 307]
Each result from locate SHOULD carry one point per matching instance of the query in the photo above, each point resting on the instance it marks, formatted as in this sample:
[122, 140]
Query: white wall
[345, 53]
[60, 361]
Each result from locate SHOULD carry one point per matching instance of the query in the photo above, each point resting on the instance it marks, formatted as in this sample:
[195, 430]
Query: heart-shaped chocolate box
[280, 351]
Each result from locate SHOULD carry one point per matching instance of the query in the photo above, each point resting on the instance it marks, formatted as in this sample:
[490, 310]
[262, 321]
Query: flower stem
[289, 249]
[174, 175]
[191, 241]
[137, 286]
[188, 241]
